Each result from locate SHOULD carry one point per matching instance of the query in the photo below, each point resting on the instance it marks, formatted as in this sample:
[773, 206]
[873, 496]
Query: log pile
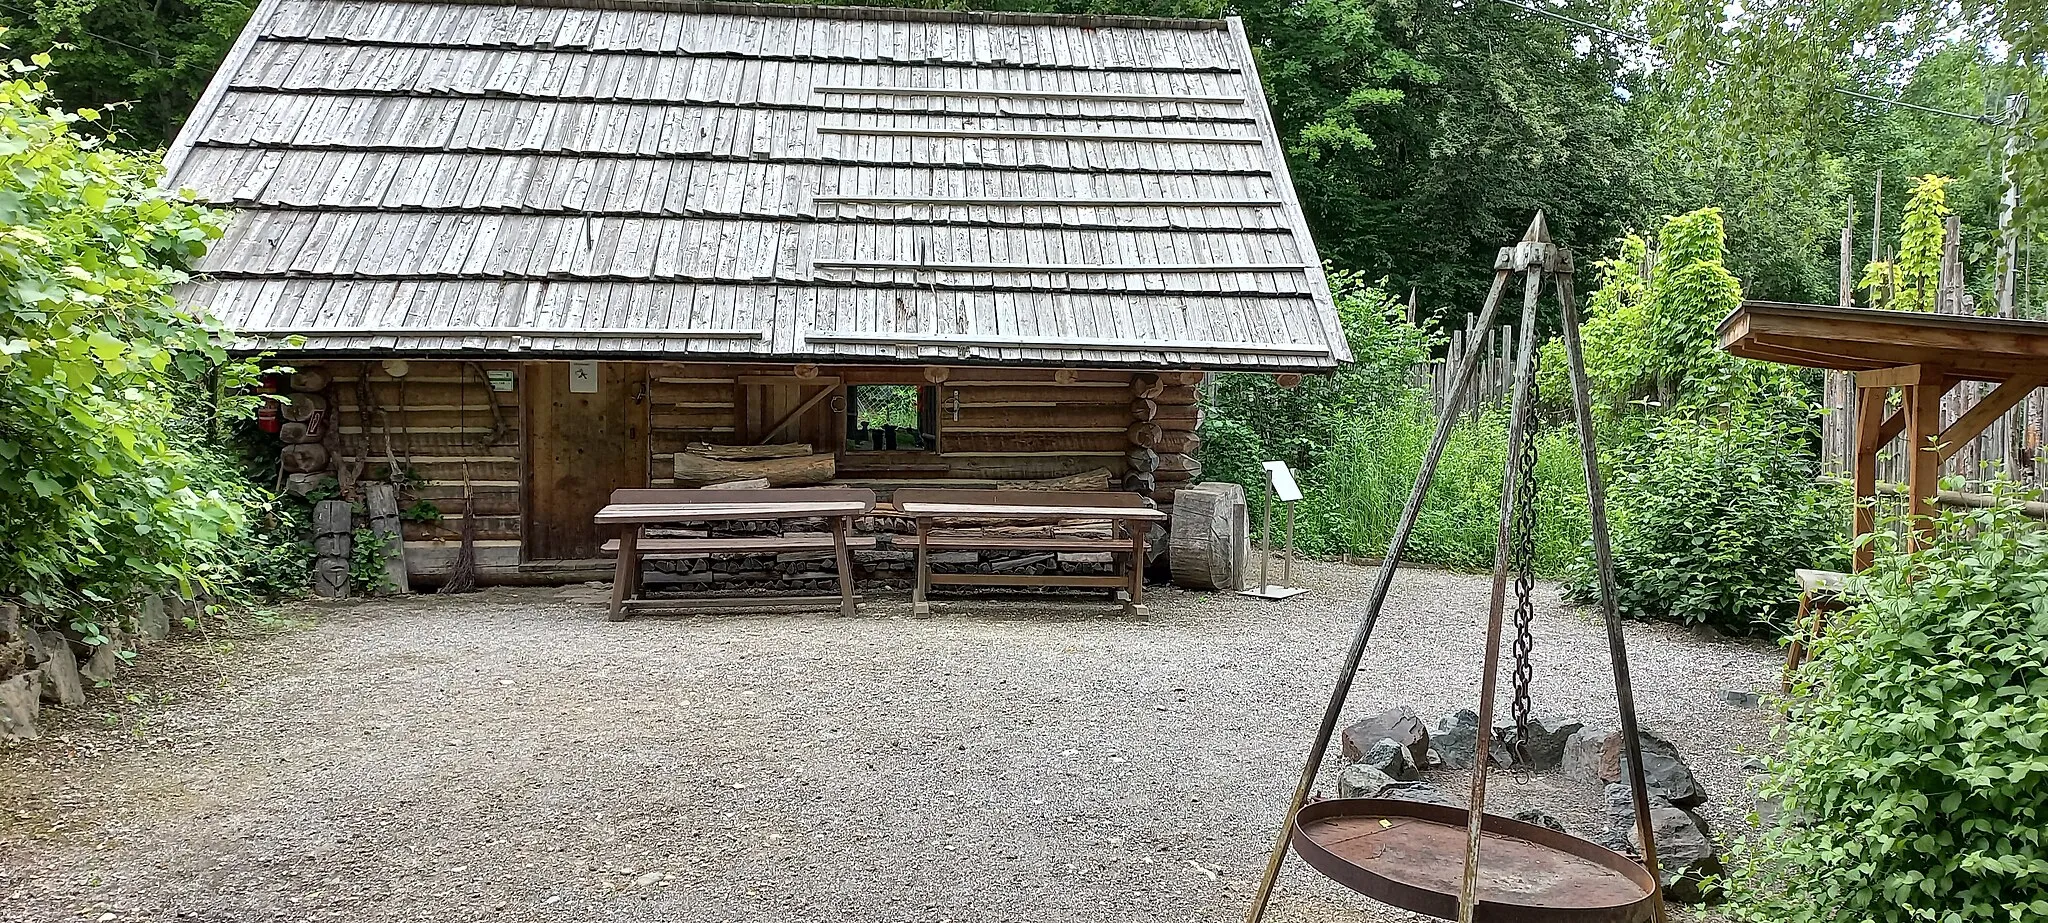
[1175, 459]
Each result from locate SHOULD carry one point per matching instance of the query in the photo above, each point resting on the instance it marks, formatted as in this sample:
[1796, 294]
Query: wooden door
[584, 439]
[774, 409]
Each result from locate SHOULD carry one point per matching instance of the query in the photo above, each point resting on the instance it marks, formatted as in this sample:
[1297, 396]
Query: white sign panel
[501, 379]
[583, 377]
[1284, 488]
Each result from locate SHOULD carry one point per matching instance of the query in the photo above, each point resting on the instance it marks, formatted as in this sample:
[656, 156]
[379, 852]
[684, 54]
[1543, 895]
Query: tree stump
[1211, 536]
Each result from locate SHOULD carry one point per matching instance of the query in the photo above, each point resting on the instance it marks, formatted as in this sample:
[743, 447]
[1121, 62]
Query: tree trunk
[794, 471]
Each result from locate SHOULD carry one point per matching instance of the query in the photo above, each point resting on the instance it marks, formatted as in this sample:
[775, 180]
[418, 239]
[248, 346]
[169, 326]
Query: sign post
[1279, 481]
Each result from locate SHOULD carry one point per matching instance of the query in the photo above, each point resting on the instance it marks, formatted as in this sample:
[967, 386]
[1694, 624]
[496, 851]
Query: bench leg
[625, 580]
[845, 562]
[918, 605]
[1136, 605]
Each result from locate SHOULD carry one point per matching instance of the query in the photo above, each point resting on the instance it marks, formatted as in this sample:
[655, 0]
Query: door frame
[532, 381]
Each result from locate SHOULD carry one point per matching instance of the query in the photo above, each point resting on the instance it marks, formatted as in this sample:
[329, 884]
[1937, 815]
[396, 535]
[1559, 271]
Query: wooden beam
[1105, 137]
[2005, 397]
[1898, 376]
[1042, 268]
[1080, 95]
[1106, 344]
[1923, 463]
[801, 409]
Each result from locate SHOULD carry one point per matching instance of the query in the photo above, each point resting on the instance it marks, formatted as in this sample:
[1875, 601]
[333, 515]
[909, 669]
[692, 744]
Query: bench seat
[673, 548]
[1027, 543]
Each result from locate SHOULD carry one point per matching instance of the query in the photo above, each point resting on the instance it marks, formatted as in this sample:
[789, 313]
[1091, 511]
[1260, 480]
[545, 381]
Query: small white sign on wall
[501, 379]
[583, 377]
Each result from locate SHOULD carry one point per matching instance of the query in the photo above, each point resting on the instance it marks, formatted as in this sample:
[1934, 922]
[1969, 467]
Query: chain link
[1522, 559]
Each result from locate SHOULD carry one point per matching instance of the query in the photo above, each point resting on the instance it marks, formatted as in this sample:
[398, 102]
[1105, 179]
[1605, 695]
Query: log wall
[441, 422]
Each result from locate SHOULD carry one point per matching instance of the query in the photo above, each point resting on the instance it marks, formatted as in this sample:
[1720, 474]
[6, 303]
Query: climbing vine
[1921, 235]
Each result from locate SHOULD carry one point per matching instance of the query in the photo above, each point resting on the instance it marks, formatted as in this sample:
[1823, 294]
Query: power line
[1649, 42]
[111, 41]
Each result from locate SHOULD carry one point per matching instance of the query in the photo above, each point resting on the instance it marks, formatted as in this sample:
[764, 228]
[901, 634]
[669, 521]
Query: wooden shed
[532, 252]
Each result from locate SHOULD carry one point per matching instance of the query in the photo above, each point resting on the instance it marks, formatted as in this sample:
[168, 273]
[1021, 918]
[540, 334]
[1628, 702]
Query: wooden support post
[844, 560]
[1989, 408]
[626, 578]
[1136, 604]
[919, 605]
[1869, 439]
[1847, 297]
[1923, 466]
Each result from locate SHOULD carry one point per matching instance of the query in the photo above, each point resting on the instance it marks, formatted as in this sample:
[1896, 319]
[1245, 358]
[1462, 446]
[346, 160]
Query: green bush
[1915, 779]
[1711, 517]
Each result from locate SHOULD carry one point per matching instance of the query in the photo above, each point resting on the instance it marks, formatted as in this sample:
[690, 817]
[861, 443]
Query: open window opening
[892, 418]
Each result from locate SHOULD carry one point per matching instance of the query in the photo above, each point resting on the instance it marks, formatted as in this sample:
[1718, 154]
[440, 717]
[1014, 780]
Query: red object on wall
[267, 418]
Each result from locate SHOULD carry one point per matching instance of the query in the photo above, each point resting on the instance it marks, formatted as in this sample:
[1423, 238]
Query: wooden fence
[1496, 378]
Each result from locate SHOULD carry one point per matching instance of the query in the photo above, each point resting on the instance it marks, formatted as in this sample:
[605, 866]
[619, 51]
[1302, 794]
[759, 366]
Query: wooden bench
[637, 508]
[1126, 513]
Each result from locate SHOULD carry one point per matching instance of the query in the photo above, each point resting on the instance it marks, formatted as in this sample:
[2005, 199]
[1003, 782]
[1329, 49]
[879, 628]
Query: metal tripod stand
[1541, 264]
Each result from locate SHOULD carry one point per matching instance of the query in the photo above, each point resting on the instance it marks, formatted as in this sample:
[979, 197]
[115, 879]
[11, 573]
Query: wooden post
[1136, 605]
[2007, 281]
[1847, 297]
[382, 501]
[919, 606]
[844, 560]
[1877, 219]
[1923, 436]
[1863, 467]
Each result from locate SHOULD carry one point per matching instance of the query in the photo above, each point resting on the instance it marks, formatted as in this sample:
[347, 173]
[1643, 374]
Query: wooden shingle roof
[725, 181]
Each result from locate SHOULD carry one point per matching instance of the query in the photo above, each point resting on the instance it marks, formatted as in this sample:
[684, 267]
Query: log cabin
[523, 254]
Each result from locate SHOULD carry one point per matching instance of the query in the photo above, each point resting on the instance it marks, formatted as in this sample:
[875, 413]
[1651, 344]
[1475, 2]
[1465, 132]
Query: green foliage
[1355, 497]
[142, 63]
[1711, 517]
[1920, 243]
[1297, 425]
[105, 491]
[423, 511]
[366, 573]
[1914, 783]
[1690, 291]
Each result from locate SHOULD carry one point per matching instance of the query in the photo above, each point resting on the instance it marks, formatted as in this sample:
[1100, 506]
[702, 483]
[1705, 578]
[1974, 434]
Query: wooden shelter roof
[1863, 339]
[732, 181]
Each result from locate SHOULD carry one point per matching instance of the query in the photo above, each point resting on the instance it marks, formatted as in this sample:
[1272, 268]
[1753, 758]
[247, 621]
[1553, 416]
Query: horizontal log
[998, 468]
[1178, 394]
[1025, 395]
[1144, 409]
[1179, 416]
[1061, 417]
[702, 420]
[302, 407]
[994, 377]
[748, 452]
[1092, 479]
[406, 392]
[1144, 434]
[1175, 463]
[698, 471]
[1147, 385]
[311, 379]
[1180, 441]
[1034, 441]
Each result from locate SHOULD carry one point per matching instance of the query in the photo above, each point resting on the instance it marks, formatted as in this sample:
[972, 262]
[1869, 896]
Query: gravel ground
[511, 756]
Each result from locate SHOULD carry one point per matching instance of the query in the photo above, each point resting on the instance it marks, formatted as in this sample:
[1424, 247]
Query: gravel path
[510, 756]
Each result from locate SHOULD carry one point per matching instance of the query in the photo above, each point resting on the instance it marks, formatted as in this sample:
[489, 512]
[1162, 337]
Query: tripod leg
[1468, 368]
[1610, 612]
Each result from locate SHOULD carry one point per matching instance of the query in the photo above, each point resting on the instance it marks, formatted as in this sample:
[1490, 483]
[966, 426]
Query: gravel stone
[511, 756]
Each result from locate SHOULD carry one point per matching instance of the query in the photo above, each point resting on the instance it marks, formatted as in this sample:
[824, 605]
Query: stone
[1359, 780]
[1397, 724]
[1416, 791]
[152, 622]
[104, 663]
[10, 623]
[305, 482]
[21, 700]
[59, 667]
[1388, 756]
[1457, 739]
[1741, 698]
[1546, 744]
[1593, 756]
[1541, 819]
[13, 653]
[1686, 857]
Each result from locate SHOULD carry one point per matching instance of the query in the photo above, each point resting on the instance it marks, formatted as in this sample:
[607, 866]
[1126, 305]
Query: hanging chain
[1522, 559]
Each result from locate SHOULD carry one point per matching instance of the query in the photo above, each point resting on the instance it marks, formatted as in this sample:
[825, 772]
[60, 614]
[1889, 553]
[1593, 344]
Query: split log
[1146, 435]
[748, 452]
[1143, 459]
[1147, 386]
[382, 502]
[748, 484]
[1180, 442]
[1144, 408]
[1178, 467]
[1093, 479]
[301, 407]
[296, 434]
[1140, 482]
[308, 379]
[791, 471]
[303, 457]
[1211, 536]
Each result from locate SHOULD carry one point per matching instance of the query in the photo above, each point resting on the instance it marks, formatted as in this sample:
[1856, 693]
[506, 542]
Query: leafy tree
[142, 63]
[1920, 242]
[104, 489]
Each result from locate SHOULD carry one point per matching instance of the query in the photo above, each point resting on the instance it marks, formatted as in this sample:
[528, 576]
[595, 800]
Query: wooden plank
[1072, 580]
[722, 512]
[581, 447]
[800, 541]
[1991, 407]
